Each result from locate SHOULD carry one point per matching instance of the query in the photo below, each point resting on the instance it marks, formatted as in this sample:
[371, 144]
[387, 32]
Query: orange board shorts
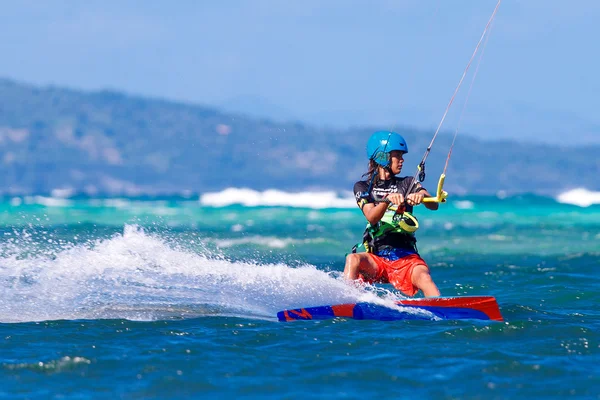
[397, 272]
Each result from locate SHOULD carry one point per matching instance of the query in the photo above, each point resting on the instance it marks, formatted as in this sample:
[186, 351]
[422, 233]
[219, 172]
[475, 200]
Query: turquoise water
[167, 298]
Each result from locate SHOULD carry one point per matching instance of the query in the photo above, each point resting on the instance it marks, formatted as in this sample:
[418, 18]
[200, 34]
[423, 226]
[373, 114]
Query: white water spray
[141, 276]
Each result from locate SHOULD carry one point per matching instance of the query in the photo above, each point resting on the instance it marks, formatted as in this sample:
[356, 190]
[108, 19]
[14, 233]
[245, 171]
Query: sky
[336, 63]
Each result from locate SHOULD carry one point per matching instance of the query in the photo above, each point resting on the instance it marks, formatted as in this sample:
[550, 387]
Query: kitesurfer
[388, 253]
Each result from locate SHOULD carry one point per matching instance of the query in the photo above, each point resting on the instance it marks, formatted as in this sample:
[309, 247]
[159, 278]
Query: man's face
[396, 161]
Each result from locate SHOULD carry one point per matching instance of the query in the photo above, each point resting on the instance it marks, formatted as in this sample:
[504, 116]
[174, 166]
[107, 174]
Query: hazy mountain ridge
[110, 143]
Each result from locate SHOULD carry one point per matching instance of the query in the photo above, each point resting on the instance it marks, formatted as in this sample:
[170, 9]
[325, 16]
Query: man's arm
[374, 212]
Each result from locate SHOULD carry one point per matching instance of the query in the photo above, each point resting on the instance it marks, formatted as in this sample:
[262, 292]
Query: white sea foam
[268, 241]
[116, 203]
[62, 193]
[579, 197]
[272, 197]
[48, 201]
[58, 365]
[464, 204]
[135, 275]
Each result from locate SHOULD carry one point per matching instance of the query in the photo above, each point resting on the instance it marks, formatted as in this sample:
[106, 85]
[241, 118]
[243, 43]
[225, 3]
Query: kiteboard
[432, 308]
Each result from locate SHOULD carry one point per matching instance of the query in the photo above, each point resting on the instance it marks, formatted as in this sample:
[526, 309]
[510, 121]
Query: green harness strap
[391, 222]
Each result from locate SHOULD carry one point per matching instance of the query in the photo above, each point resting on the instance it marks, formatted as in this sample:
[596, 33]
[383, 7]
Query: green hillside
[111, 143]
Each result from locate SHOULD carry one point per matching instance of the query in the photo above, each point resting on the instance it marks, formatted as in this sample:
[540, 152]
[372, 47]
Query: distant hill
[109, 143]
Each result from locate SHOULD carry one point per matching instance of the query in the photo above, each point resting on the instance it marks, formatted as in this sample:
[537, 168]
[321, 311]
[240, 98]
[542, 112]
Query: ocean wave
[464, 204]
[59, 365]
[580, 197]
[48, 201]
[277, 198]
[267, 241]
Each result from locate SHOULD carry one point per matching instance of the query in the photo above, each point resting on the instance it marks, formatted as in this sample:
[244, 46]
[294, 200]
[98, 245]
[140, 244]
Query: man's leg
[422, 279]
[360, 264]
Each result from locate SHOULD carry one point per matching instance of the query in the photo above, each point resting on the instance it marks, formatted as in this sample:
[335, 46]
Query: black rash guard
[381, 189]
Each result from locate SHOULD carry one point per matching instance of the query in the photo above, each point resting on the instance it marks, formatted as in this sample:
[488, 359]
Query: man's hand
[395, 198]
[414, 199]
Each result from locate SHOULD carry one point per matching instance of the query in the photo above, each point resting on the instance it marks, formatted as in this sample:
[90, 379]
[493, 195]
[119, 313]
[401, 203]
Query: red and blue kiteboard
[448, 308]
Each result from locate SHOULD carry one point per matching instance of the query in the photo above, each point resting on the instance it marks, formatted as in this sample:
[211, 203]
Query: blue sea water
[170, 298]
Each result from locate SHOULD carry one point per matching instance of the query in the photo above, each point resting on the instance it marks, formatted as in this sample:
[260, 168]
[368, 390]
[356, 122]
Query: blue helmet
[381, 143]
